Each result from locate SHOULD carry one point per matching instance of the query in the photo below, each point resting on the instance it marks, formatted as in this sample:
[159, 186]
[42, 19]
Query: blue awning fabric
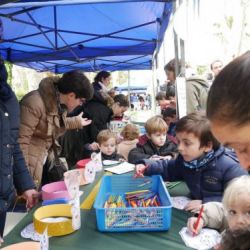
[59, 35]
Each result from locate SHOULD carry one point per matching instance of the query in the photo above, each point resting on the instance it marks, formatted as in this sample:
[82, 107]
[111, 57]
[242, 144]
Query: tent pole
[129, 89]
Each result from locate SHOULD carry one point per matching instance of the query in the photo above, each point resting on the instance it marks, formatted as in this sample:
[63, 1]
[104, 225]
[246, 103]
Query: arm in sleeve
[74, 122]
[137, 154]
[214, 216]
[21, 176]
[192, 96]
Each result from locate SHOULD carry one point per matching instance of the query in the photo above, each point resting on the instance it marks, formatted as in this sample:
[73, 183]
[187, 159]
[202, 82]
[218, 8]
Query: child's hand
[190, 225]
[193, 206]
[94, 146]
[122, 160]
[139, 170]
[168, 157]
[155, 157]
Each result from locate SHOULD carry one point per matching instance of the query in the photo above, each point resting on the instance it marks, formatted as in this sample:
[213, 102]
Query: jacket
[125, 146]
[214, 216]
[146, 149]
[100, 114]
[196, 94]
[114, 157]
[40, 121]
[13, 171]
[206, 183]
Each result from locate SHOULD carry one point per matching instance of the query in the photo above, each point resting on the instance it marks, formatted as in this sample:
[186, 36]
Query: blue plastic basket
[130, 218]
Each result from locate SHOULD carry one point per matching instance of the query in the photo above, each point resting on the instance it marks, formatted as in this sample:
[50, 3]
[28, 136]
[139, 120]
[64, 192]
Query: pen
[198, 220]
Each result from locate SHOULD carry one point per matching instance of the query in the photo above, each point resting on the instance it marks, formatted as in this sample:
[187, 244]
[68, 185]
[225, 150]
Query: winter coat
[196, 91]
[146, 149]
[40, 119]
[100, 114]
[206, 183]
[13, 171]
[125, 146]
[214, 216]
[114, 157]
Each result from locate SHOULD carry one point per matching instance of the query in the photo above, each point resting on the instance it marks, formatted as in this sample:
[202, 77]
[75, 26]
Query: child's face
[238, 213]
[158, 138]
[189, 146]
[169, 119]
[108, 147]
[235, 137]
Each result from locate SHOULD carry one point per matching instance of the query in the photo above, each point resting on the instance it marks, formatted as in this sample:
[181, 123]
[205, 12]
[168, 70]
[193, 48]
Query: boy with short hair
[156, 144]
[107, 145]
[170, 117]
[205, 165]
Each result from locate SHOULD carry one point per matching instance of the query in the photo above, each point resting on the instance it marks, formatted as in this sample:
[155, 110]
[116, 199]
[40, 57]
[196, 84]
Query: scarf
[200, 162]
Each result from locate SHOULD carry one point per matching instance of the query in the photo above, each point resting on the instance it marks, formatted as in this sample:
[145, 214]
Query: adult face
[217, 67]
[106, 81]
[118, 110]
[235, 137]
[170, 76]
[72, 102]
[164, 104]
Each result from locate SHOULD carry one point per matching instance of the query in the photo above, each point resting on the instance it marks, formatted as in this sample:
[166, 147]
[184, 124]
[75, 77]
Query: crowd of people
[208, 149]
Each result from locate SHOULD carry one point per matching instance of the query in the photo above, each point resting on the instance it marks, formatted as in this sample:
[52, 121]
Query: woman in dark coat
[13, 171]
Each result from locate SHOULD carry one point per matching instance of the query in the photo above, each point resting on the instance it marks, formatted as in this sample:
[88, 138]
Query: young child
[130, 134]
[233, 214]
[156, 144]
[170, 117]
[203, 164]
[107, 145]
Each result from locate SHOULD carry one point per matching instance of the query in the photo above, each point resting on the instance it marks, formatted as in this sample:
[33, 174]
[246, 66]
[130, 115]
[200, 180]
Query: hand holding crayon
[139, 170]
[196, 224]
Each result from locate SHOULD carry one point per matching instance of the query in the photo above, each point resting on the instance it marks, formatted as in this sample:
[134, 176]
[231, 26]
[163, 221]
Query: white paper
[72, 181]
[122, 168]
[44, 240]
[206, 239]
[180, 202]
[29, 233]
[89, 172]
[76, 214]
[96, 158]
[110, 162]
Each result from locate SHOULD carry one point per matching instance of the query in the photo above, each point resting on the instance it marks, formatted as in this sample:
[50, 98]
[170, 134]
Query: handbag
[56, 166]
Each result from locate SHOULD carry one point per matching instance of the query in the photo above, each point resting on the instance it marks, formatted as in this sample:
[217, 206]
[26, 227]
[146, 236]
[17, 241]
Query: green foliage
[9, 67]
[201, 69]
[20, 93]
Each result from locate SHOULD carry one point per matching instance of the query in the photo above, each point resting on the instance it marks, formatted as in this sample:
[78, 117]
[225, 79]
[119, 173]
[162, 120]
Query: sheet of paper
[180, 202]
[122, 168]
[44, 240]
[207, 239]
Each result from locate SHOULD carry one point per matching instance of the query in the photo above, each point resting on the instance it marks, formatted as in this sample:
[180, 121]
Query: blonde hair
[130, 132]
[236, 186]
[105, 135]
[155, 124]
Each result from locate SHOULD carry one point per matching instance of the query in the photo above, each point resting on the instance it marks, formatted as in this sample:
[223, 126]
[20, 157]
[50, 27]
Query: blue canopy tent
[62, 35]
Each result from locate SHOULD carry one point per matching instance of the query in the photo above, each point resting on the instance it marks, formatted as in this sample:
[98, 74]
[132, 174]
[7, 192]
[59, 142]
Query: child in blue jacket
[205, 165]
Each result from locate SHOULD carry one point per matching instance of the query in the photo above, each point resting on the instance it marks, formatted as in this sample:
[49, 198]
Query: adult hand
[32, 197]
[94, 146]
[139, 170]
[193, 206]
[191, 225]
[84, 121]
